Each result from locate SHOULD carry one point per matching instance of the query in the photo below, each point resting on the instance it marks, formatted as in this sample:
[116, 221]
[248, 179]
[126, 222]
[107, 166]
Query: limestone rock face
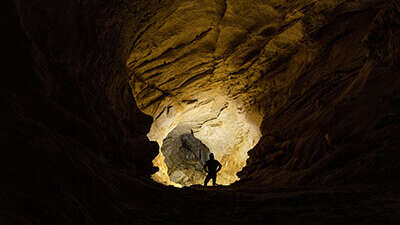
[296, 62]
[199, 46]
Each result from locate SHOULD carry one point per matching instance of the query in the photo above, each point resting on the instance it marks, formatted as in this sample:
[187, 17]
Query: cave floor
[356, 204]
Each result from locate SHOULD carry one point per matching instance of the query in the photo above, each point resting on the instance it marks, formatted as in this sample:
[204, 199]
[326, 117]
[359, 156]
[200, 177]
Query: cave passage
[187, 132]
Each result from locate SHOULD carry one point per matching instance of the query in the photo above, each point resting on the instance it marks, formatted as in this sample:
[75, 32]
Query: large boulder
[185, 156]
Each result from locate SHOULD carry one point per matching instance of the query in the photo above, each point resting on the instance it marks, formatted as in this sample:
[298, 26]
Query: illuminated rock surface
[312, 85]
[223, 126]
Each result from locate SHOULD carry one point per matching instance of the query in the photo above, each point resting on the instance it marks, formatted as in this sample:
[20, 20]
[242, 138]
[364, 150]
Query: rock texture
[334, 128]
[218, 122]
[185, 156]
[321, 75]
[301, 64]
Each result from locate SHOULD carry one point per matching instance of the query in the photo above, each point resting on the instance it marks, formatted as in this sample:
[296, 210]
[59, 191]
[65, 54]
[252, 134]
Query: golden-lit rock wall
[295, 62]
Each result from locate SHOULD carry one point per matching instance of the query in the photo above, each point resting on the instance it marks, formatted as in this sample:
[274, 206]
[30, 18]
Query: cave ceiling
[249, 50]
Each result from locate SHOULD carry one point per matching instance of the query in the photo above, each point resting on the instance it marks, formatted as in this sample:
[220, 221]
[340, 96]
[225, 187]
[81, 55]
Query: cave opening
[188, 130]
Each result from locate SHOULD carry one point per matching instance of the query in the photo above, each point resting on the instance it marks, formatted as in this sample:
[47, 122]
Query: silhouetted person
[212, 167]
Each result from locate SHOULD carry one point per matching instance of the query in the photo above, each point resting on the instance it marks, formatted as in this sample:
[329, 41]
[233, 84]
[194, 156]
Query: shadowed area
[184, 156]
[107, 106]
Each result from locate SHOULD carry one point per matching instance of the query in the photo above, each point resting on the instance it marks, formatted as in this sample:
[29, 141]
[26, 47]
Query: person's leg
[214, 180]
[208, 177]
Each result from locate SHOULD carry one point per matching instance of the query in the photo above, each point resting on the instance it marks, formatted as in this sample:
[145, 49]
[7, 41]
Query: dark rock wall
[70, 128]
[340, 124]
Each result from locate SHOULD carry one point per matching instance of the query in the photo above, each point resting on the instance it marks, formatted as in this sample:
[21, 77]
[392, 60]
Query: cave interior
[111, 108]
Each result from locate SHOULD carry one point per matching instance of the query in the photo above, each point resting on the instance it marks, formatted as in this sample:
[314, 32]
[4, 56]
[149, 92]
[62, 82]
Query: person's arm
[205, 167]
[219, 167]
